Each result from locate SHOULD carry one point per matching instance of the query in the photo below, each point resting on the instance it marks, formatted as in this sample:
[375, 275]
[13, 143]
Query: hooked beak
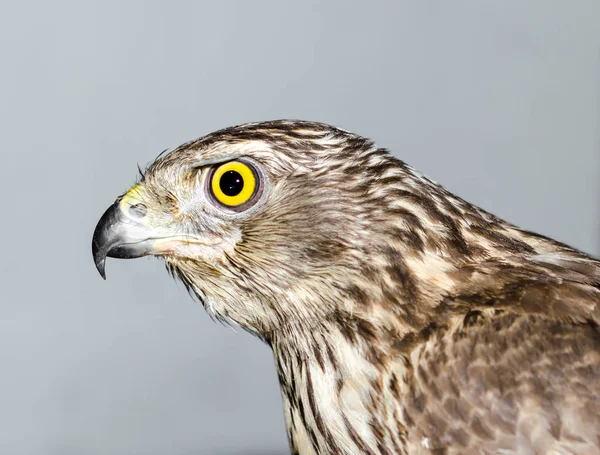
[118, 235]
[126, 231]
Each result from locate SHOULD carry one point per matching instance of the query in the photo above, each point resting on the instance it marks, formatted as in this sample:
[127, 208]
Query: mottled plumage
[403, 320]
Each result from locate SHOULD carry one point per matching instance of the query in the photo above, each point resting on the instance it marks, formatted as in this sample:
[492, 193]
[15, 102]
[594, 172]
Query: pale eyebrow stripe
[208, 162]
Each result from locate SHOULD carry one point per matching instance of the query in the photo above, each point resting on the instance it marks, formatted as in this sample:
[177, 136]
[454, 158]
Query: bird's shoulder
[517, 368]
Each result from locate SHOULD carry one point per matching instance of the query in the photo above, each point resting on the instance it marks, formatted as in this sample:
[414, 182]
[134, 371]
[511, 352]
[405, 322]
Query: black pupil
[231, 183]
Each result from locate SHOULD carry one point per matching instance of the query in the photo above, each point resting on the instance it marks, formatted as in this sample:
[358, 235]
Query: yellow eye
[233, 184]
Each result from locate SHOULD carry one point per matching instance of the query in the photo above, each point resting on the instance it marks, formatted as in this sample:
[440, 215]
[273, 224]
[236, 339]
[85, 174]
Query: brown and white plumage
[403, 320]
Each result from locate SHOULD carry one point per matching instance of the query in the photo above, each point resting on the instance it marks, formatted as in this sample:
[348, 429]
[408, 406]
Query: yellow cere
[249, 184]
[132, 196]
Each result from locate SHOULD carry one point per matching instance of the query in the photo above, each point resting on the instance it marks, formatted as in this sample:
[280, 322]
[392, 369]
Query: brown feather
[403, 319]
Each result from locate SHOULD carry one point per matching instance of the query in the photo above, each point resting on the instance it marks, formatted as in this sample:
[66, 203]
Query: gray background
[498, 100]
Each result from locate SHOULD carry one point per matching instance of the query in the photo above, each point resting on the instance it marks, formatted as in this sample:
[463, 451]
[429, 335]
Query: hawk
[402, 319]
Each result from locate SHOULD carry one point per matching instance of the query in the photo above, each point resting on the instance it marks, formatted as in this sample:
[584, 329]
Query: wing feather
[519, 374]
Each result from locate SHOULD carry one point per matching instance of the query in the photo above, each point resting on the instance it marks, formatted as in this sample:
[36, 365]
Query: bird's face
[262, 222]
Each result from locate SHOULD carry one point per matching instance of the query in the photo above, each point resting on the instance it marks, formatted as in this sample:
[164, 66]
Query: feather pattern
[403, 320]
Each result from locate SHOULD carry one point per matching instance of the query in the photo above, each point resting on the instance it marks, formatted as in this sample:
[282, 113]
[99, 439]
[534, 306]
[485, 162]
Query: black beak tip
[103, 238]
[100, 266]
[99, 258]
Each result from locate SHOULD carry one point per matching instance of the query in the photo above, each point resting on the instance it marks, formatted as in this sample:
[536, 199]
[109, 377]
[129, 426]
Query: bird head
[284, 222]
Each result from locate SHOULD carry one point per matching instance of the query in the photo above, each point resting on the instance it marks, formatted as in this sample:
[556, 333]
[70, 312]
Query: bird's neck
[346, 376]
[337, 382]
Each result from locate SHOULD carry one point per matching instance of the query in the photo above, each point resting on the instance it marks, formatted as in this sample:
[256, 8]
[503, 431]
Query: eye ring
[235, 185]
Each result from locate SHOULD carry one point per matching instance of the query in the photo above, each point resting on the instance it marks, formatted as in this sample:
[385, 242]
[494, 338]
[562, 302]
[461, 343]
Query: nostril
[138, 210]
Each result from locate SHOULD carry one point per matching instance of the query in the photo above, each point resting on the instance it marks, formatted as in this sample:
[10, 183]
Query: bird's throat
[331, 384]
